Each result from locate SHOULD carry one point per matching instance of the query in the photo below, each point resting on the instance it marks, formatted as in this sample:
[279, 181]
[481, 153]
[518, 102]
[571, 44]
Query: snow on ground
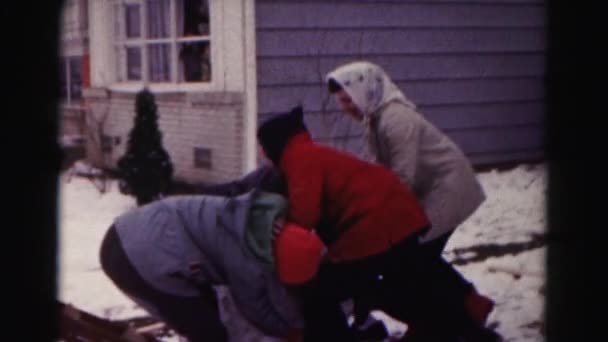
[497, 248]
[512, 215]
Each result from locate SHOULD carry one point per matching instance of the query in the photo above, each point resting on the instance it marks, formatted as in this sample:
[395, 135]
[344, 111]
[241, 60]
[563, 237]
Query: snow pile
[499, 248]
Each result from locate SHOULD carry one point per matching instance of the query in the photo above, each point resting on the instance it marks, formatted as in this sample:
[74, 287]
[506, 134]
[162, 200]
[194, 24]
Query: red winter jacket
[359, 209]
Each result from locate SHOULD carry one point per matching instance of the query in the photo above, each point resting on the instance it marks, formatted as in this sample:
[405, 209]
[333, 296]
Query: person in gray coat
[168, 255]
[403, 140]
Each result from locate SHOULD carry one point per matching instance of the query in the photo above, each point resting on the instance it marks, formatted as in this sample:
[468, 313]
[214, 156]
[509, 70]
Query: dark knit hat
[274, 133]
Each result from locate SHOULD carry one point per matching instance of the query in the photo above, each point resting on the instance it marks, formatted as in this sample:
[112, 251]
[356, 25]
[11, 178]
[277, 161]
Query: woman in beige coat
[401, 139]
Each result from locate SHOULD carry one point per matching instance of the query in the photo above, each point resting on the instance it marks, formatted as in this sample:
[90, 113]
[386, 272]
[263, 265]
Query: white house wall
[251, 83]
[73, 28]
[100, 43]
[219, 116]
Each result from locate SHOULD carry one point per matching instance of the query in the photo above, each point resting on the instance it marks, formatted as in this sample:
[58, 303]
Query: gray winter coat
[404, 141]
[165, 238]
[431, 163]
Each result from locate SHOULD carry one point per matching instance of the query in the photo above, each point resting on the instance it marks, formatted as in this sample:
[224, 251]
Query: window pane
[160, 61]
[158, 18]
[195, 65]
[75, 78]
[63, 83]
[133, 63]
[133, 21]
[193, 20]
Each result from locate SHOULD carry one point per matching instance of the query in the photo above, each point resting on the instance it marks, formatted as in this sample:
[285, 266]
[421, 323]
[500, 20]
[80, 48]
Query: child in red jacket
[370, 222]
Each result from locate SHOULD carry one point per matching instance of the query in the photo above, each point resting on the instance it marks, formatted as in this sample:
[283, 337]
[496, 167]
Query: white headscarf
[370, 89]
[368, 85]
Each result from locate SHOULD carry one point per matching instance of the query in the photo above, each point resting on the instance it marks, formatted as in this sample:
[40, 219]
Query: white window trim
[217, 83]
[135, 86]
[68, 100]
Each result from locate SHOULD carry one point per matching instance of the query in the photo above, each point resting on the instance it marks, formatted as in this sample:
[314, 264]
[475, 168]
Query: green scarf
[265, 208]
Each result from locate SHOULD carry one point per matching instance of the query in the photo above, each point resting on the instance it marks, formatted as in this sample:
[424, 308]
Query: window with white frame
[162, 41]
[70, 78]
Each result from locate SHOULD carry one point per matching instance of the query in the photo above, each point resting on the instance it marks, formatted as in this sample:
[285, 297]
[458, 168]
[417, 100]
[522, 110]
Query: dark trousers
[196, 318]
[407, 282]
[434, 248]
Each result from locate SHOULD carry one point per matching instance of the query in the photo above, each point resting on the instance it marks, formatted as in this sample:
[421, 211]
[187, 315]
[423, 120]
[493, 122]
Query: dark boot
[376, 331]
[482, 335]
[419, 334]
[479, 307]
